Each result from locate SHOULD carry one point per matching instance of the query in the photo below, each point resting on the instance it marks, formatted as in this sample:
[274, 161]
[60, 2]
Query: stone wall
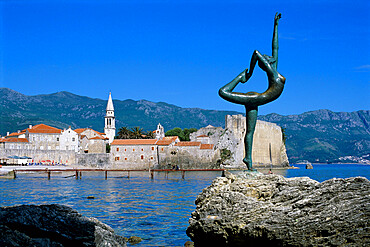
[134, 156]
[268, 146]
[188, 157]
[58, 156]
[61, 156]
[94, 160]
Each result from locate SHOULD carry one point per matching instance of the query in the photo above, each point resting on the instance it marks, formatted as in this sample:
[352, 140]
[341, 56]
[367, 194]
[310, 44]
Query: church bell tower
[110, 122]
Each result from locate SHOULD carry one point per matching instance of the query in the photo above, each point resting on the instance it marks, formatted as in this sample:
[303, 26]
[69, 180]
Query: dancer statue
[251, 100]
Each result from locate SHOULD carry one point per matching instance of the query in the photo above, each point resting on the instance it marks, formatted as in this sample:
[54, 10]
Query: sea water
[157, 210]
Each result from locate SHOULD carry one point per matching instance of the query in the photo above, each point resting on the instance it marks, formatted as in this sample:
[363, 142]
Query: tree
[176, 132]
[184, 135]
[149, 134]
[137, 133]
[124, 133]
[187, 133]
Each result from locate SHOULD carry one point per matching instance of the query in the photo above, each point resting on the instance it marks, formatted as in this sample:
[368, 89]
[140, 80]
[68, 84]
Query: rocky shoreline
[252, 209]
[55, 226]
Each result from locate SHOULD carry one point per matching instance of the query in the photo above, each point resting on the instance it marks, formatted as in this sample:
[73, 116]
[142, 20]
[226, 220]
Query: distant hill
[325, 136]
[317, 136]
[64, 109]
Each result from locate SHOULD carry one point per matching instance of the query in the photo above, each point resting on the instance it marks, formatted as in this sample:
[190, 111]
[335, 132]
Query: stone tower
[110, 122]
[159, 133]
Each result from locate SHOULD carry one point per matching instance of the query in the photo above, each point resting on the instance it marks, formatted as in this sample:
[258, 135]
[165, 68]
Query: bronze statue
[251, 100]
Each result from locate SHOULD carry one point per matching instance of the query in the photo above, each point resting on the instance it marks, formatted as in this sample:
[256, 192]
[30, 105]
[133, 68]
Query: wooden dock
[78, 171]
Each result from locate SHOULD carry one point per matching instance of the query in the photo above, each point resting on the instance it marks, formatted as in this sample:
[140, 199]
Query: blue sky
[182, 52]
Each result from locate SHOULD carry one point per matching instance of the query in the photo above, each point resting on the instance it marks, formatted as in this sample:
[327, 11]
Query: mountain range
[316, 136]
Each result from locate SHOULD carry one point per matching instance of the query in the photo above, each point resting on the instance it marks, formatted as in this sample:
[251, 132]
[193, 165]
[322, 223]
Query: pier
[78, 171]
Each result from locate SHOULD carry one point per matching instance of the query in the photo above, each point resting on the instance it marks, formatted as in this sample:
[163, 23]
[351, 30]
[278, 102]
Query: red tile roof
[15, 134]
[167, 140]
[206, 146]
[134, 142]
[187, 144]
[13, 139]
[99, 138]
[79, 131]
[45, 129]
[164, 142]
[203, 136]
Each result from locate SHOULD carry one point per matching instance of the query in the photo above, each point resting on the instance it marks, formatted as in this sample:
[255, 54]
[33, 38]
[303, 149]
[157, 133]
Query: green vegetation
[284, 135]
[184, 135]
[134, 133]
[225, 154]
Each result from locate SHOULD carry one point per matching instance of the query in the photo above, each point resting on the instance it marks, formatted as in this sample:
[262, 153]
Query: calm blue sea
[156, 210]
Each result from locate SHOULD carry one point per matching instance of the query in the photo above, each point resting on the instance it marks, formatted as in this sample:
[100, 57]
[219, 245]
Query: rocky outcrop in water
[270, 210]
[54, 226]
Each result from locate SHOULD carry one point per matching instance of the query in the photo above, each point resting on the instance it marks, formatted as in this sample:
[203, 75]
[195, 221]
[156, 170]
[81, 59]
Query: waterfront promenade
[77, 172]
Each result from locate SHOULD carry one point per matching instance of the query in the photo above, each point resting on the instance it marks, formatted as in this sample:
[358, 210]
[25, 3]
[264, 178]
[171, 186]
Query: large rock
[53, 225]
[256, 209]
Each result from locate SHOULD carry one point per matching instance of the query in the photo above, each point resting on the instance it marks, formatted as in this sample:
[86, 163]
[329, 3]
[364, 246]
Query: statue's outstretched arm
[275, 41]
[252, 64]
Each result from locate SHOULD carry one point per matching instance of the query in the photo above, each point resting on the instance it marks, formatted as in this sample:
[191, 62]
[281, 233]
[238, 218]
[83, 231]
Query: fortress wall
[268, 147]
[267, 144]
[102, 160]
[188, 157]
[58, 156]
[67, 157]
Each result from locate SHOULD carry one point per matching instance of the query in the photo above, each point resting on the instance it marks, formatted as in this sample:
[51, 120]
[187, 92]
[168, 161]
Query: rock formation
[251, 209]
[53, 225]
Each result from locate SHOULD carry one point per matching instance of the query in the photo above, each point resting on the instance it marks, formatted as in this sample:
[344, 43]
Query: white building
[91, 141]
[43, 137]
[159, 133]
[110, 122]
[69, 140]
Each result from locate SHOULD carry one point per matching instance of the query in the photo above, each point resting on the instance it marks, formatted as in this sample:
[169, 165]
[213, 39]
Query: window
[57, 139]
[142, 157]
[117, 149]
[125, 149]
[142, 149]
[125, 158]
[133, 150]
[151, 157]
[116, 158]
[73, 139]
[152, 148]
[162, 149]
